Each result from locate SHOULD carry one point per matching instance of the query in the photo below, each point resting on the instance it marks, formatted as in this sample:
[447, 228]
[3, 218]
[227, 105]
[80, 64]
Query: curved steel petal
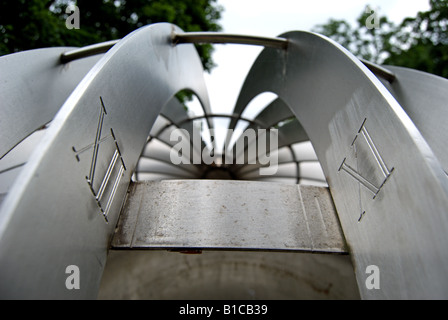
[377, 133]
[34, 85]
[79, 174]
[424, 98]
[388, 186]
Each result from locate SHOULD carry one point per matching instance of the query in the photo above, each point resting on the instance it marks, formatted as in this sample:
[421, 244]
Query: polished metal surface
[372, 134]
[13, 162]
[422, 96]
[94, 142]
[389, 188]
[243, 215]
[33, 86]
[294, 148]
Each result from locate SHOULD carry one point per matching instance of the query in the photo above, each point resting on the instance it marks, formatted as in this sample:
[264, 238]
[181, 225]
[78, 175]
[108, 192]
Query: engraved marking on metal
[375, 152]
[386, 173]
[361, 216]
[100, 193]
[112, 194]
[107, 176]
[378, 158]
[96, 144]
[88, 147]
[118, 148]
[352, 172]
[363, 212]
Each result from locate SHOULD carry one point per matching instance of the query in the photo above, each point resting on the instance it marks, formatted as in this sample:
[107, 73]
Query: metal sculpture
[376, 133]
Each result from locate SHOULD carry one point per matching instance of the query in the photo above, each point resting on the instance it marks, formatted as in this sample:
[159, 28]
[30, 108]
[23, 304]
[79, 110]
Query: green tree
[39, 23]
[28, 24]
[370, 44]
[418, 42]
[423, 41]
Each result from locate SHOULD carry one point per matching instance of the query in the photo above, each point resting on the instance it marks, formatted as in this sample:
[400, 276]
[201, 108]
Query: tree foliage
[34, 24]
[419, 42]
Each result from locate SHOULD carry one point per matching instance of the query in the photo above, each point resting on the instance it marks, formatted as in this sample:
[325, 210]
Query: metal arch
[99, 48]
[354, 123]
[289, 134]
[147, 171]
[275, 43]
[271, 115]
[401, 227]
[221, 115]
[274, 113]
[161, 153]
[34, 85]
[157, 149]
[424, 98]
[184, 123]
[51, 201]
[175, 114]
[250, 174]
[150, 165]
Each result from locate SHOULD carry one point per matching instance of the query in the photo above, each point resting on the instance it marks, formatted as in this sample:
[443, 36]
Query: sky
[271, 18]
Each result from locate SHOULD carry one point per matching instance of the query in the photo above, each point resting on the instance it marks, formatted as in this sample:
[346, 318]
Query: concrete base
[227, 275]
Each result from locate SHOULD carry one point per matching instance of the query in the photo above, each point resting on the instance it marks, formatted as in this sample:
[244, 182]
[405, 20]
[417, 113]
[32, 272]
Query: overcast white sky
[274, 17]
